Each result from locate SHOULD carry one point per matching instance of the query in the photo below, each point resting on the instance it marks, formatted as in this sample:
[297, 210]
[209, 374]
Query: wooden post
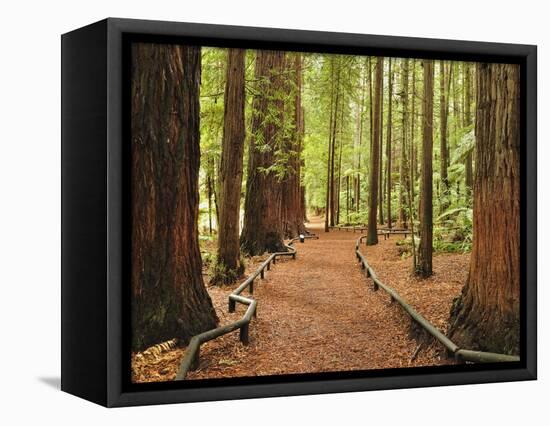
[243, 334]
[262, 274]
[231, 307]
[251, 287]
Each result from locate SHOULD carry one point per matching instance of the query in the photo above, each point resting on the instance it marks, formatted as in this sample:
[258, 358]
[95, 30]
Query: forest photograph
[296, 213]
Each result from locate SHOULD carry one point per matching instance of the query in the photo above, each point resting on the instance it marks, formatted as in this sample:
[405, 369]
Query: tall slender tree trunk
[403, 169]
[209, 196]
[229, 266]
[347, 199]
[487, 314]
[443, 113]
[412, 157]
[381, 157]
[372, 233]
[361, 121]
[215, 183]
[331, 124]
[371, 119]
[340, 146]
[293, 221]
[389, 144]
[168, 294]
[424, 266]
[468, 116]
[412, 172]
[263, 228]
[333, 149]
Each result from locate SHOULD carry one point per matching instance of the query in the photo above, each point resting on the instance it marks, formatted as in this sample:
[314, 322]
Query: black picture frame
[95, 252]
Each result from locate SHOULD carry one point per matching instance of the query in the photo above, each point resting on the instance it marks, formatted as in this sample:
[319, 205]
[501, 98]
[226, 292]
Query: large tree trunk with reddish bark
[168, 294]
[229, 266]
[374, 175]
[263, 229]
[425, 248]
[293, 215]
[486, 315]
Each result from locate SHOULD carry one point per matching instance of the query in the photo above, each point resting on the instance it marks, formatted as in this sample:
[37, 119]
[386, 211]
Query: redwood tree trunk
[381, 155]
[168, 294]
[331, 123]
[486, 315]
[263, 229]
[333, 149]
[374, 175]
[389, 145]
[293, 215]
[424, 266]
[443, 112]
[229, 266]
[403, 169]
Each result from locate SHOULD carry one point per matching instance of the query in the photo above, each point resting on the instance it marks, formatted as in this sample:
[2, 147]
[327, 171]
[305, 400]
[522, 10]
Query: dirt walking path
[317, 313]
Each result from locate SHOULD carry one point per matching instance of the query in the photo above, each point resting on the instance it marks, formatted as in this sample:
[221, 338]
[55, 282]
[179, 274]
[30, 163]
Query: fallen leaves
[318, 313]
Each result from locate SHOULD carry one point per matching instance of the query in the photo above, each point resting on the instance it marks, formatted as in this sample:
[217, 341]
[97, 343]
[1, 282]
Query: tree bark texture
[293, 216]
[372, 233]
[486, 315]
[263, 229]
[329, 153]
[424, 266]
[168, 294]
[403, 168]
[229, 266]
[389, 145]
[443, 113]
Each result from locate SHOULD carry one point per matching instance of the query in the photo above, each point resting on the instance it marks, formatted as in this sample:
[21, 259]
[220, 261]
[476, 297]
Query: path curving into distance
[317, 314]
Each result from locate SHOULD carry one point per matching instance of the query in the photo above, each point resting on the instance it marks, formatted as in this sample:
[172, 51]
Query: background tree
[372, 234]
[468, 122]
[263, 230]
[229, 266]
[293, 216]
[169, 297]
[486, 315]
[444, 84]
[425, 248]
[403, 166]
[389, 144]
[381, 154]
[328, 202]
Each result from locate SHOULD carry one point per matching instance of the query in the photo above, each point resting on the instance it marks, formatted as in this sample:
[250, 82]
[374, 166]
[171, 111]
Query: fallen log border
[191, 358]
[459, 353]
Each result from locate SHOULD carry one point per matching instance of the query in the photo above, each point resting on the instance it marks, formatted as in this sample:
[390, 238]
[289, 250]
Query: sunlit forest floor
[319, 313]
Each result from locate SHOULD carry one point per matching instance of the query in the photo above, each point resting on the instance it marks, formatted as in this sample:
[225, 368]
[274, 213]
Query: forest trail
[317, 313]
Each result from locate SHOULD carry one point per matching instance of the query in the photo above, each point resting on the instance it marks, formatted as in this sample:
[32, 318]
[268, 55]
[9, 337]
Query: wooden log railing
[191, 357]
[385, 232]
[459, 353]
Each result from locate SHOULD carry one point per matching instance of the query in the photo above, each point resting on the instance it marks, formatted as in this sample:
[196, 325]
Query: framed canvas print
[252, 212]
